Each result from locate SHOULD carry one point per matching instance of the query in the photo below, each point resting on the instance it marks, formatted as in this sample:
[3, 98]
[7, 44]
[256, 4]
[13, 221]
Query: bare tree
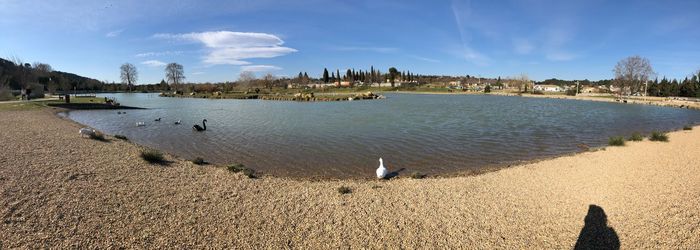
[129, 74]
[246, 78]
[269, 81]
[632, 74]
[43, 68]
[522, 82]
[175, 74]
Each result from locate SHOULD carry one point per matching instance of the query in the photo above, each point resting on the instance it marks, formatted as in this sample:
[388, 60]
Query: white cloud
[162, 53]
[259, 68]
[425, 59]
[154, 63]
[114, 33]
[228, 47]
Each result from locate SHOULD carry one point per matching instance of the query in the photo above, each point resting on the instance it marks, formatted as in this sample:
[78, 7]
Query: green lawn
[33, 105]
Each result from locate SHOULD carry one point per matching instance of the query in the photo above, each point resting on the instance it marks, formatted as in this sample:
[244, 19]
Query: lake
[432, 134]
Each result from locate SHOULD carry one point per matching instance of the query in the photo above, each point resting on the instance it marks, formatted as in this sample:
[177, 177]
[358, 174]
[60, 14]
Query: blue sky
[215, 41]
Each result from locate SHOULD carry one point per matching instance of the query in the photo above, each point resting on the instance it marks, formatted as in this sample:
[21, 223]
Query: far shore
[62, 191]
[675, 102]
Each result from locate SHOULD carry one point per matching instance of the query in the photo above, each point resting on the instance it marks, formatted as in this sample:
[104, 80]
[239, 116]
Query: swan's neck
[204, 123]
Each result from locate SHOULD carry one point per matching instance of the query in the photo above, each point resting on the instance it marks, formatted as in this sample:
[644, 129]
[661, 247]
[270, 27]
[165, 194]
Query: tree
[175, 74]
[632, 73]
[269, 81]
[523, 82]
[129, 74]
[393, 72]
[337, 74]
[246, 78]
[325, 75]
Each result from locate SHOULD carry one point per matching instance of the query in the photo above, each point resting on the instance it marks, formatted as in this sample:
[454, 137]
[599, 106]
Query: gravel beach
[63, 191]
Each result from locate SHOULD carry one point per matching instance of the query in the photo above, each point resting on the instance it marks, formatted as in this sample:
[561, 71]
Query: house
[548, 88]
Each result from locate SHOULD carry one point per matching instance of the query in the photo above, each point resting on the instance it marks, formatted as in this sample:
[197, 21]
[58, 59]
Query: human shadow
[394, 174]
[595, 233]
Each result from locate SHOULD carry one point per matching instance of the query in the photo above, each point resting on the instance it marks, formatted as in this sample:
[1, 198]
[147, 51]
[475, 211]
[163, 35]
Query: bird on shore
[381, 170]
[177, 122]
[86, 132]
[157, 119]
[196, 127]
[140, 124]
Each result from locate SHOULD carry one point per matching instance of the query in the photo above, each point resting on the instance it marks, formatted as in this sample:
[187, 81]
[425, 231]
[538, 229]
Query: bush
[242, 168]
[417, 175]
[344, 190]
[658, 136]
[636, 137]
[6, 94]
[537, 92]
[571, 92]
[687, 127]
[97, 136]
[198, 161]
[121, 137]
[616, 141]
[487, 89]
[152, 156]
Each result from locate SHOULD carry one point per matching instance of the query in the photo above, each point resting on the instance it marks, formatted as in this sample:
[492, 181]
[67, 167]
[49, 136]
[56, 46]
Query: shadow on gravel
[394, 174]
[595, 233]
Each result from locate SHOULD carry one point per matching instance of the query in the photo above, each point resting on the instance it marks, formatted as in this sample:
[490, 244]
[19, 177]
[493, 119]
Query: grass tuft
[636, 137]
[687, 127]
[658, 136]
[199, 161]
[418, 175]
[121, 137]
[97, 136]
[344, 190]
[243, 169]
[616, 141]
[152, 156]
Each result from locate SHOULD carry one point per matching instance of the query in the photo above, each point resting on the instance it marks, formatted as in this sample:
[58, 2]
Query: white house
[548, 88]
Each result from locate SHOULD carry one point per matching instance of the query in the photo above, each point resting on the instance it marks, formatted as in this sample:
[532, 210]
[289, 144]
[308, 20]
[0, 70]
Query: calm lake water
[434, 134]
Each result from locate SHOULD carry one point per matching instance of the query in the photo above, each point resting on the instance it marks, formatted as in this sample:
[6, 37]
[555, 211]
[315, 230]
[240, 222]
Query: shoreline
[60, 190]
[674, 102]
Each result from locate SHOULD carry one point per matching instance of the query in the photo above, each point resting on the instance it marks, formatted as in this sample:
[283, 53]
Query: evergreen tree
[337, 73]
[325, 75]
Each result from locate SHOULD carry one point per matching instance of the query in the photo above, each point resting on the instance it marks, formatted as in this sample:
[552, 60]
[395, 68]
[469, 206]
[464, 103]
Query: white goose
[140, 124]
[381, 170]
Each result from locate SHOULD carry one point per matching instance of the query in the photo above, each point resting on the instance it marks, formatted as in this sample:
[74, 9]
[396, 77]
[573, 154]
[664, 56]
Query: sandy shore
[63, 191]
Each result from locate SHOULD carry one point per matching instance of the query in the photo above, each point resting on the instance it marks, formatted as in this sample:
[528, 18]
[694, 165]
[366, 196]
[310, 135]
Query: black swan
[198, 128]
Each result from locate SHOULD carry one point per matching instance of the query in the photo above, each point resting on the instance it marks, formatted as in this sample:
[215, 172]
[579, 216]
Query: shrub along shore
[62, 191]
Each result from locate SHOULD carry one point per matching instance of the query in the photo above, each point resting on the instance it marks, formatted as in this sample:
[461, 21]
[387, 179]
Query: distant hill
[17, 77]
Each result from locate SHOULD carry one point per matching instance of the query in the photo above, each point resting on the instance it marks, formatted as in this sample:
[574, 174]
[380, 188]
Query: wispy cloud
[114, 33]
[522, 46]
[560, 56]
[162, 53]
[153, 63]
[366, 49]
[259, 68]
[425, 59]
[228, 47]
[462, 12]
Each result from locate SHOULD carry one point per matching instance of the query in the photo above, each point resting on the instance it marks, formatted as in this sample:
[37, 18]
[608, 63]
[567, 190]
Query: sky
[216, 40]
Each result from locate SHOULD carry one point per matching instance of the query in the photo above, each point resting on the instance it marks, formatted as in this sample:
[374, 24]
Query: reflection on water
[432, 134]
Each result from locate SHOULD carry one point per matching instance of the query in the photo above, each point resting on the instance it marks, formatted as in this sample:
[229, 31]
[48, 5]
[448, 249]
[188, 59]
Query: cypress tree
[325, 75]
